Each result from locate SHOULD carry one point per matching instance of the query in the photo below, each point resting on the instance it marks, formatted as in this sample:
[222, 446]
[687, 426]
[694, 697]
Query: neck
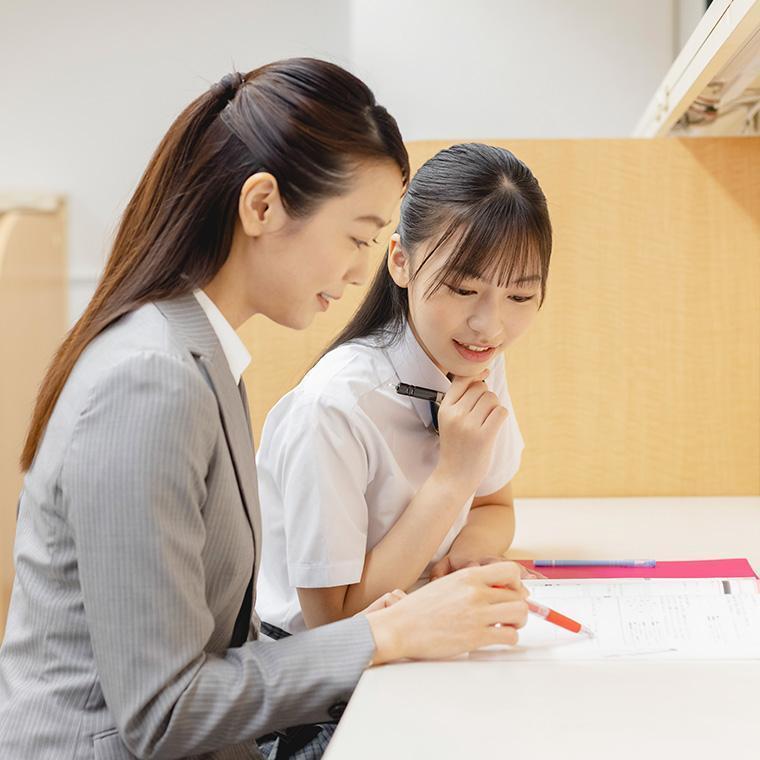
[227, 289]
[423, 346]
[224, 300]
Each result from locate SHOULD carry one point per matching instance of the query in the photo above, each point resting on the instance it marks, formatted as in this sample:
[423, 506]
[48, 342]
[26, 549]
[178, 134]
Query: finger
[439, 569]
[490, 560]
[459, 386]
[503, 634]
[378, 604]
[472, 396]
[483, 407]
[503, 573]
[525, 572]
[392, 597]
[501, 594]
[496, 418]
[507, 613]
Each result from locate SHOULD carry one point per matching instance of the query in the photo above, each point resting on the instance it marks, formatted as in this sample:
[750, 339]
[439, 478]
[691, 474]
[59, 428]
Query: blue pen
[594, 563]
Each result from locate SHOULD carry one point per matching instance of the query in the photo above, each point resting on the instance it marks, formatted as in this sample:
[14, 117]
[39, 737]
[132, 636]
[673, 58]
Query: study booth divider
[33, 303]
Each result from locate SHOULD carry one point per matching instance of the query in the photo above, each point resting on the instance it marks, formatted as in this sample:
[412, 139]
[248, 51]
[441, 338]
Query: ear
[260, 205]
[399, 265]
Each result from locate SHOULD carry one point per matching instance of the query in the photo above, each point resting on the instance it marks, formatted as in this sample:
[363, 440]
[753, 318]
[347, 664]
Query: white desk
[469, 708]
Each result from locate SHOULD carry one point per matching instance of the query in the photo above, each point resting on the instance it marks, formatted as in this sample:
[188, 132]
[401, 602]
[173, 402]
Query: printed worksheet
[668, 625]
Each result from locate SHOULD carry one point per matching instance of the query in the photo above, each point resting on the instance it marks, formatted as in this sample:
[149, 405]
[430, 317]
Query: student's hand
[465, 610]
[386, 600]
[451, 563]
[469, 419]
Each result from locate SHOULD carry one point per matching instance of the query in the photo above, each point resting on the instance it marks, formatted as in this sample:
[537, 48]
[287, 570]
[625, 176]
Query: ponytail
[306, 121]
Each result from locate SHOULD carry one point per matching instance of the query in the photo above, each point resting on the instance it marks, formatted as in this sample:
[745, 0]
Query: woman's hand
[465, 610]
[469, 420]
[529, 573]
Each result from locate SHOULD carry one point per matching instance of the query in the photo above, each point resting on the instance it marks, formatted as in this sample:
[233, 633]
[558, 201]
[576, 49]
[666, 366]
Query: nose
[486, 320]
[357, 274]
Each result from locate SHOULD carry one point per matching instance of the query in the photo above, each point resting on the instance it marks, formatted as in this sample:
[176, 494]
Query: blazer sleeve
[133, 486]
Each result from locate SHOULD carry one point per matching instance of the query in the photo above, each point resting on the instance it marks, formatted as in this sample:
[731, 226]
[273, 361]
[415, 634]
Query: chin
[463, 368]
[300, 322]
[469, 370]
[293, 320]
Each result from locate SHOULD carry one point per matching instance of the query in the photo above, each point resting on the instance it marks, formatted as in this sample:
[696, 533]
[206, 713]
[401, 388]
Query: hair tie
[228, 86]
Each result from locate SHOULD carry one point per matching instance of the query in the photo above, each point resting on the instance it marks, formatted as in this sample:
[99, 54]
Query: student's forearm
[398, 560]
[488, 533]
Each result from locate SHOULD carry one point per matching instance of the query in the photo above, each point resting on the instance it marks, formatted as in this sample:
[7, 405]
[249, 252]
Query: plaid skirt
[298, 743]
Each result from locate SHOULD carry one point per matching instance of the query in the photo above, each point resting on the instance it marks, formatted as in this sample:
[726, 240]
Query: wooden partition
[641, 375]
[33, 304]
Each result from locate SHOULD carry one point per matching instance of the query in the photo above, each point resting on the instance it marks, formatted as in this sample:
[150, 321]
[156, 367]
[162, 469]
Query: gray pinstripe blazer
[138, 531]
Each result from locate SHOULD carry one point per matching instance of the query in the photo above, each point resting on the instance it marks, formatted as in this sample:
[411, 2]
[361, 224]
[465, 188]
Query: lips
[474, 352]
[324, 299]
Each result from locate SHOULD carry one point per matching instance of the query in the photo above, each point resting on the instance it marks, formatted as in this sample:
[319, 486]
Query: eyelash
[465, 293]
[362, 243]
[460, 291]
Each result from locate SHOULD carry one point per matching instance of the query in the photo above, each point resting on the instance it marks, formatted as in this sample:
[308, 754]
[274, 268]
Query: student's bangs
[504, 240]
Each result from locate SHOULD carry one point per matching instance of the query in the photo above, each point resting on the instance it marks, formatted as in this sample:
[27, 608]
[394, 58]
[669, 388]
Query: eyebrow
[528, 278]
[376, 220]
[519, 281]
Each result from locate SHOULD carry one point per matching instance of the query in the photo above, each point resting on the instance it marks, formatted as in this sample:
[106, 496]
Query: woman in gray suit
[131, 632]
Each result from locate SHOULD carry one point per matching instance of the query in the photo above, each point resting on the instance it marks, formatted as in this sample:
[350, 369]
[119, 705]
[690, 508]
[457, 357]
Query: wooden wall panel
[33, 303]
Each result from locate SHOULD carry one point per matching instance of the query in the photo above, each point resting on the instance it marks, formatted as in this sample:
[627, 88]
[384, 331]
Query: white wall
[513, 68]
[87, 88]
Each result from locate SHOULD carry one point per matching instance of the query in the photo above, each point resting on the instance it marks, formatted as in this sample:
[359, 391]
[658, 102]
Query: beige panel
[33, 302]
[641, 375]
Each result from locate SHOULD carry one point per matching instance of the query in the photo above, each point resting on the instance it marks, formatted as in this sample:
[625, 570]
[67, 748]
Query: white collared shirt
[234, 349]
[341, 457]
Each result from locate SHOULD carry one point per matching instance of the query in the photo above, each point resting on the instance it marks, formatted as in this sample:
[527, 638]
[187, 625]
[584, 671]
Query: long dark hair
[486, 202]
[307, 122]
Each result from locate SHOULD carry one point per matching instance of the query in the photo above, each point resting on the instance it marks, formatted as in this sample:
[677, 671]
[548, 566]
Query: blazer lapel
[189, 321]
[233, 413]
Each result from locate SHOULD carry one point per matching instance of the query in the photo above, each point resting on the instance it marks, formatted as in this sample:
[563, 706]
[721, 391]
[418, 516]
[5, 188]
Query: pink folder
[702, 568]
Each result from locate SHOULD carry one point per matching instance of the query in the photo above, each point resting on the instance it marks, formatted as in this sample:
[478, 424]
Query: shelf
[713, 86]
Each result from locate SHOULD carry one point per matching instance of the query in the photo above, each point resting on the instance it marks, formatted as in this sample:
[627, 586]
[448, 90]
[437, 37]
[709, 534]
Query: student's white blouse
[341, 456]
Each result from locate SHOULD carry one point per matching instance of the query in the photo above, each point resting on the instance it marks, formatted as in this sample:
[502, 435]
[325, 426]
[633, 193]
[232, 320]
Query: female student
[360, 494]
[130, 631]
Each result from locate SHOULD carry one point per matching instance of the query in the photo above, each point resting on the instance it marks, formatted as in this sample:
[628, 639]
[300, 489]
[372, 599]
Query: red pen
[552, 616]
